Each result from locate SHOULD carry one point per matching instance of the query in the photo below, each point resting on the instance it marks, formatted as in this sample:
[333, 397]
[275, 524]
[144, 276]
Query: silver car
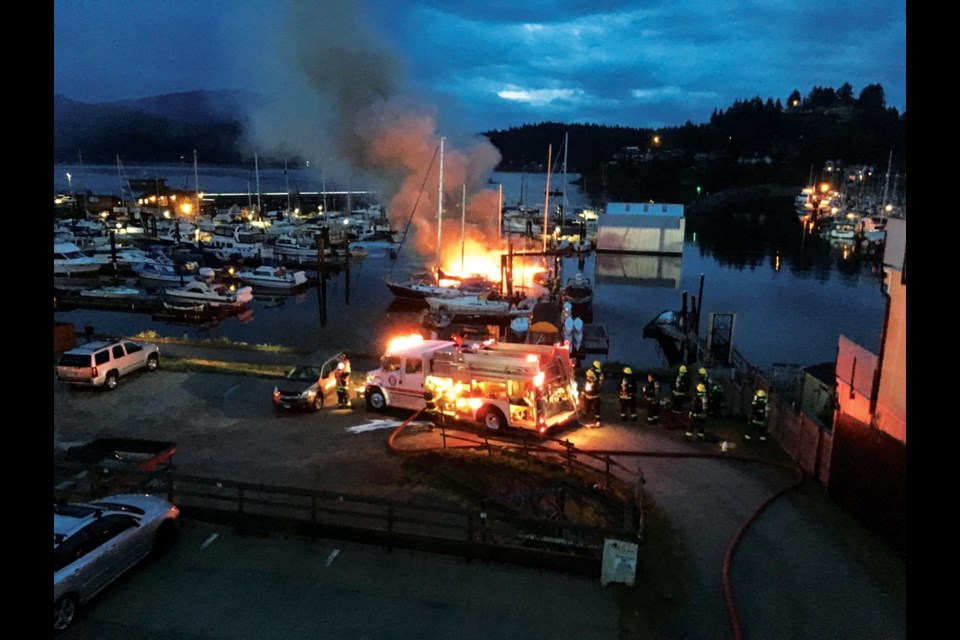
[95, 543]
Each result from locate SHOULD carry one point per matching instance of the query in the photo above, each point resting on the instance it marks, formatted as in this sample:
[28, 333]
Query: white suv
[102, 363]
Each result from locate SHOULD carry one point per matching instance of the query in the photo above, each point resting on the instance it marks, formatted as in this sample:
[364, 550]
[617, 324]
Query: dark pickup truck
[106, 465]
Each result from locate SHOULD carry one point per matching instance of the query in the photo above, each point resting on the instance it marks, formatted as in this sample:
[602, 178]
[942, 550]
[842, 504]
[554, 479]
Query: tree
[872, 98]
[794, 100]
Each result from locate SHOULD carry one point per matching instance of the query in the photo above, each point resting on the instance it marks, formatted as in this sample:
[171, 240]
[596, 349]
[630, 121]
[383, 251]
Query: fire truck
[498, 385]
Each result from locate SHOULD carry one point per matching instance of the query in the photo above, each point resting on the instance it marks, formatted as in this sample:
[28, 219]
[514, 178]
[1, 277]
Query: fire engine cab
[495, 384]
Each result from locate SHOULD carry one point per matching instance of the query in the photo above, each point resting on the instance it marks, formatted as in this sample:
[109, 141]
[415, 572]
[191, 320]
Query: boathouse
[645, 228]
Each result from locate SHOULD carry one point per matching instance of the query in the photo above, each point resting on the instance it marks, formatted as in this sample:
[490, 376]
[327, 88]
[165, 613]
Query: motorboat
[165, 273]
[212, 293]
[274, 277]
[297, 248]
[578, 291]
[110, 292]
[69, 260]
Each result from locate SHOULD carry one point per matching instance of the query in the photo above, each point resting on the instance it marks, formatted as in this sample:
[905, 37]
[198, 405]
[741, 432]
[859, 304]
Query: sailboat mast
[463, 230]
[886, 183]
[500, 211]
[439, 207]
[564, 203]
[196, 181]
[546, 200]
[256, 169]
[287, 178]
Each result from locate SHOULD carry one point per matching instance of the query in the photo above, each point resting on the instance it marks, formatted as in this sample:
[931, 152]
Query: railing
[491, 533]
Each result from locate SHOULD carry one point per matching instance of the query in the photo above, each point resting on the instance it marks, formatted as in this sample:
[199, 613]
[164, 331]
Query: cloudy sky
[488, 64]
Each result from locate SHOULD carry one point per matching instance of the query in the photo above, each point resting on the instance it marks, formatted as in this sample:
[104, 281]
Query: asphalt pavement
[803, 569]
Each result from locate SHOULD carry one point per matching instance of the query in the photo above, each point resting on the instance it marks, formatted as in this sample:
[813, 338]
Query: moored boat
[211, 293]
[275, 277]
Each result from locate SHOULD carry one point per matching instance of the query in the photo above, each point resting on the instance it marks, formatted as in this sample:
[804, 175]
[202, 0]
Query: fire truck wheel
[493, 419]
[375, 400]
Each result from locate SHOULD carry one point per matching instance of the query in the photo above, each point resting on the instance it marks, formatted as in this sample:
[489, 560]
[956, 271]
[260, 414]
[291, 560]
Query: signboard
[619, 562]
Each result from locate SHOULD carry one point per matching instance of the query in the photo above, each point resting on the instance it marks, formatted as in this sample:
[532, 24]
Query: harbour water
[792, 295]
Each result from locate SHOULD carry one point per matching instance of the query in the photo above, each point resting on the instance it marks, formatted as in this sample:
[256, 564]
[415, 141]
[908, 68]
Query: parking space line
[210, 540]
[332, 556]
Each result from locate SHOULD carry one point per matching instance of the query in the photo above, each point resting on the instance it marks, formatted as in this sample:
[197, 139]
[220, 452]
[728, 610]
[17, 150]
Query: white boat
[293, 247]
[238, 241]
[68, 260]
[165, 273]
[212, 293]
[843, 230]
[488, 303]
[273, 277]
[111, 292]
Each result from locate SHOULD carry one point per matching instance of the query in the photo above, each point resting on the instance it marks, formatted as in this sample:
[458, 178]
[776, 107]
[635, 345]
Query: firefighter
[681, 387]
[628, 395]
[698, 414]
[343, 384]
[651, 394]
[716, 399]
[598, 372]
[591, 397]
[759, 410]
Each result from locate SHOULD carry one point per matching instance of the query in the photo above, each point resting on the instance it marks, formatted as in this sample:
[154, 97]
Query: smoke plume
[337, 95]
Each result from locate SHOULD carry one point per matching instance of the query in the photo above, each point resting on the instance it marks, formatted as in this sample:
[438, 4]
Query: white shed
[644, 227]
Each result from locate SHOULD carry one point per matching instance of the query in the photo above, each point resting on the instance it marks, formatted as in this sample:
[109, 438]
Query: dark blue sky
[486, 65]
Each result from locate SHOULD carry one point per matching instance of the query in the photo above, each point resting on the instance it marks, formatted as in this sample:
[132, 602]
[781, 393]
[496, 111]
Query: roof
[825, 372]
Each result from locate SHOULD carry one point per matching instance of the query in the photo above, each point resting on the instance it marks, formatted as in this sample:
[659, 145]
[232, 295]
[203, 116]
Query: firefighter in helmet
[628, 395]
[598, 372]
[651, 394]
[681, 387]
[591, 397]
[698, 413]
[759, 411]
[343, 384]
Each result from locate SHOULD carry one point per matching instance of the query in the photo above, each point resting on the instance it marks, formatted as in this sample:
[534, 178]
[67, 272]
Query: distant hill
[151, 129]
[751, 143]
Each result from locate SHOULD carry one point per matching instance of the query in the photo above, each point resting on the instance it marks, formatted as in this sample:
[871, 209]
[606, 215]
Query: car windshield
[304, 373]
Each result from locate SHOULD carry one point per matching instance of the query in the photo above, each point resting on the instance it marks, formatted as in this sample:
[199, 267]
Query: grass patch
[201, 365]
[222, 343]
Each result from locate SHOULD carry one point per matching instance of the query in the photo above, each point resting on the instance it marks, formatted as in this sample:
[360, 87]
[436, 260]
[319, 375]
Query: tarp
[543, 327]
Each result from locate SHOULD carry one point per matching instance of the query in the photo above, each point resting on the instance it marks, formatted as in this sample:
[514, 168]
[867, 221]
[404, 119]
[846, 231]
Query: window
[414, 365]
[131, 347]
[390, 363]
[101, 357]
[117, 352]
[75, 360]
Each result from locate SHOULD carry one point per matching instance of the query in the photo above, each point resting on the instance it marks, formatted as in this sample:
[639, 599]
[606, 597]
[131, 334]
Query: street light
[70, 182]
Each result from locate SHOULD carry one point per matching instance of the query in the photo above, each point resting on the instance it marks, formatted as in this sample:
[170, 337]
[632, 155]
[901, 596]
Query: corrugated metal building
[645, 227]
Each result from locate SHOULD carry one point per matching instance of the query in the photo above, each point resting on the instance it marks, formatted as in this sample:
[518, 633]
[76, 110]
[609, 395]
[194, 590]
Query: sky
[393, 94]
[491, 64]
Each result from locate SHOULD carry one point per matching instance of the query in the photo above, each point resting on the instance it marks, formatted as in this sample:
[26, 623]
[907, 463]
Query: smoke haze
[337, 95]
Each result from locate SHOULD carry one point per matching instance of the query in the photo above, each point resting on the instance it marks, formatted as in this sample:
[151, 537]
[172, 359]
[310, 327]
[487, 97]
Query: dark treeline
[753, 142]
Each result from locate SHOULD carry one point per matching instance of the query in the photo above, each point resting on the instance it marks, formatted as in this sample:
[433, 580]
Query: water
[793, 295]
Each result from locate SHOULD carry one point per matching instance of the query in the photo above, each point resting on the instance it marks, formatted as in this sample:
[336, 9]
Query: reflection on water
[794, 295]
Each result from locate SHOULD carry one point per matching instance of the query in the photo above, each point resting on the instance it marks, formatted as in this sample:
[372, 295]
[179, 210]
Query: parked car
[102, 363]
[95, 543]
[307, 387]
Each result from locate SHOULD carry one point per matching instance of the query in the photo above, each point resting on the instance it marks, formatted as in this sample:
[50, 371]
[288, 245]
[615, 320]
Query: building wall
[641, 228]
[891, 411]
[855, 373]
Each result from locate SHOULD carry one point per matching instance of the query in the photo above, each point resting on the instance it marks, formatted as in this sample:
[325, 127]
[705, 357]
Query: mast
[546, 200]
[886, 183]
[256, 168]
[196, 180]
[500, 211]
[463, 230]
[439, 207]
[287, 178]
[563, 213]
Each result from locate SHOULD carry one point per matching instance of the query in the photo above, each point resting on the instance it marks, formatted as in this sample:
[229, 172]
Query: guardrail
[489, 534]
